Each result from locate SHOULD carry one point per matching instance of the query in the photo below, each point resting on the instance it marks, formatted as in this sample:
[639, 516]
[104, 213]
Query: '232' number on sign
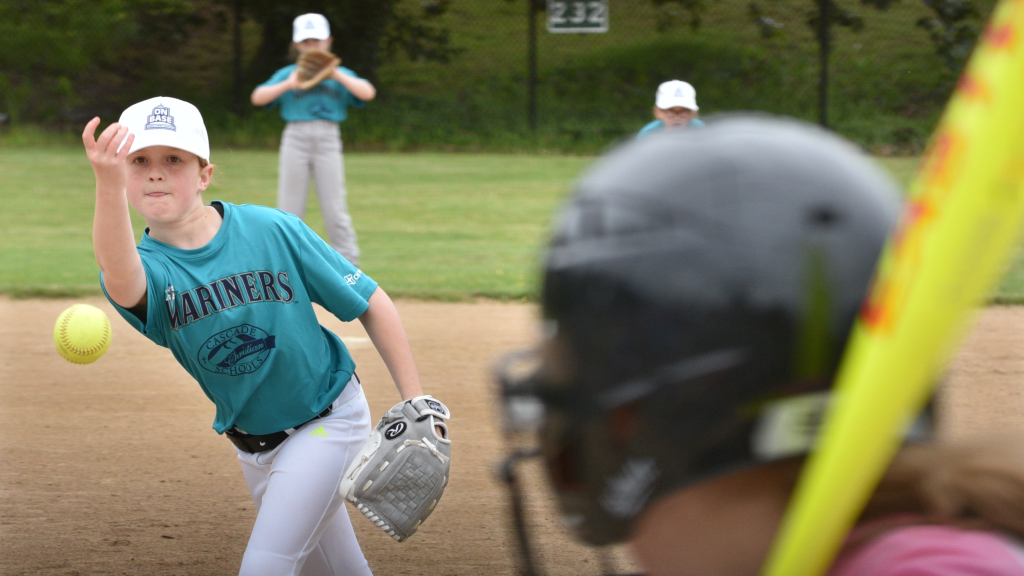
[577, 12]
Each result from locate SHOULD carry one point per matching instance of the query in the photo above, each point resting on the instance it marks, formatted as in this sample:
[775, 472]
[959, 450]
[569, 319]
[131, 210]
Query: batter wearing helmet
[699, 290]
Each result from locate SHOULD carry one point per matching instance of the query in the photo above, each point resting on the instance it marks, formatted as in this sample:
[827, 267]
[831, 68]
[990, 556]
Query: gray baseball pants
[314, 147]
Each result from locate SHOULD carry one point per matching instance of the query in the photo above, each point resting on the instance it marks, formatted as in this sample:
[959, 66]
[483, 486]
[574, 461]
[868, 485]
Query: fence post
[531, 80]
[823, 44]
[237, 32]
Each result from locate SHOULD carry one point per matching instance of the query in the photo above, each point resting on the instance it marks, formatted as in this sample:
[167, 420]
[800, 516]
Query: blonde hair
[977, 485]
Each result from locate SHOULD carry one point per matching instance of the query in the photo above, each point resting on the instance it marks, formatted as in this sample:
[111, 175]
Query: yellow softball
[82, 334]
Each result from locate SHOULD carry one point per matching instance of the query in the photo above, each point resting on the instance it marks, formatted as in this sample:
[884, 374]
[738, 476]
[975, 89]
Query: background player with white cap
[311, 142]
[675, 106]
[230, 291]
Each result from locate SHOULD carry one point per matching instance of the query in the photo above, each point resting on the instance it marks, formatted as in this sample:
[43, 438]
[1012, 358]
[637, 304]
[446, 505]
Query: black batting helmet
[700, 287]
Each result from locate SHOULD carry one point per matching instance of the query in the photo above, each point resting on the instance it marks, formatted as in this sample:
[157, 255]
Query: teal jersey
[328, 100]
[238, 315]
[658, 125]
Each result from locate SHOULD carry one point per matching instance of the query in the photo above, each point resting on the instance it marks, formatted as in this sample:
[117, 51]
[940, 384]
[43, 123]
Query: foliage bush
[453, 71]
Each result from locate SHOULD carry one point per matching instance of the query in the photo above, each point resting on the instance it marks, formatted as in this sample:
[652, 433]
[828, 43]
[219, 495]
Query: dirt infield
[112, 468]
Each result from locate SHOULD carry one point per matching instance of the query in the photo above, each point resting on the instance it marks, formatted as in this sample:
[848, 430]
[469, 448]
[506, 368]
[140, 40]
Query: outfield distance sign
[577, 16]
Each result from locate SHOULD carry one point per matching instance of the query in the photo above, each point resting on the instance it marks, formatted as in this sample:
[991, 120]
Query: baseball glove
[315, 66]
[399, 475]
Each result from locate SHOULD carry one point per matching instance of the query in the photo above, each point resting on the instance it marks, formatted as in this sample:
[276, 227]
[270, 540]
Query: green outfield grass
[445, 226]
[439, 226]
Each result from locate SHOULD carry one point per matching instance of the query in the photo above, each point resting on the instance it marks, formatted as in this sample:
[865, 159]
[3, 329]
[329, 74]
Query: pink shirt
[932, 551]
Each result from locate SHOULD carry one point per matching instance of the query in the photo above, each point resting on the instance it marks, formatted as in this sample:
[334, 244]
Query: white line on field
[352, 342]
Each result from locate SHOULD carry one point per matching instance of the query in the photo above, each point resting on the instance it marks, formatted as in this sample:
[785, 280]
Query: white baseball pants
[302, 526]
[314, 147]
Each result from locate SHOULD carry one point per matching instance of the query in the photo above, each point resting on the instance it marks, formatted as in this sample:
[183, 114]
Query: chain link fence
[470, 75]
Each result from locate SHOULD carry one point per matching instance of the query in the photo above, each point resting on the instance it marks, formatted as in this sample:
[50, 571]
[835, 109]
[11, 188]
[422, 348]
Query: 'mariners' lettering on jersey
[184, 308]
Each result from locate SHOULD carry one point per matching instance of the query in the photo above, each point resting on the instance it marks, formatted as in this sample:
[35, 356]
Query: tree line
[63, 61]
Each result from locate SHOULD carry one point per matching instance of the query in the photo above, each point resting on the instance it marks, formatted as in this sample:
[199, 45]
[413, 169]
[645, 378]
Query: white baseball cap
[165, 121]
[676, 93]
[310, 26]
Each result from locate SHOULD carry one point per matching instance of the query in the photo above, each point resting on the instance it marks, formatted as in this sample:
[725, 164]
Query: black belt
[254, 443]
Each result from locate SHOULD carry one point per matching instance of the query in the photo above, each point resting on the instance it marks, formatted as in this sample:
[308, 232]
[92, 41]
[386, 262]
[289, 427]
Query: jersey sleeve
[156, 319]
[330, 280]
[933, 551]
[278, 77]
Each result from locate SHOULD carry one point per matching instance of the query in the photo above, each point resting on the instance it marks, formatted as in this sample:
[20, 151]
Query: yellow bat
[958, 230]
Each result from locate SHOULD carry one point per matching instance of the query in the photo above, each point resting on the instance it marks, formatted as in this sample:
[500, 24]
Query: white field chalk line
[352, 342]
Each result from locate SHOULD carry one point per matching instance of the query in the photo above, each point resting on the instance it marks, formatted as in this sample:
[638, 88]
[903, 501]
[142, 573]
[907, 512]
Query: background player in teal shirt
[311, 142]
[230, 291]
[675, 106]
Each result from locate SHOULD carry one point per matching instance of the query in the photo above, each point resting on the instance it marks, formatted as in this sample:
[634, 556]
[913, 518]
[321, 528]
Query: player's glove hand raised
[315, 66]
[400, 474]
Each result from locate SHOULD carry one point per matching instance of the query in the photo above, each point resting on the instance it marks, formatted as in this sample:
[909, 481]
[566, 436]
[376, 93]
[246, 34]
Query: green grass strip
[431, 226]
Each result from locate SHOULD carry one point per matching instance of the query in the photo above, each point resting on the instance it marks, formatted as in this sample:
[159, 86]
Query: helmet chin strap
[527, 566]
[507, 473]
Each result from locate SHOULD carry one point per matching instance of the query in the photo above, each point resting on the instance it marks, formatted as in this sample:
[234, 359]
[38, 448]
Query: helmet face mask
[605, 467]
[610, 455]
[575, 451]
[694, 279]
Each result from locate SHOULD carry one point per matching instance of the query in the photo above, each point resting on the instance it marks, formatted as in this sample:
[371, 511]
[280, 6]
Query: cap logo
[161, 119]
[679, 92]
[310, 25]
